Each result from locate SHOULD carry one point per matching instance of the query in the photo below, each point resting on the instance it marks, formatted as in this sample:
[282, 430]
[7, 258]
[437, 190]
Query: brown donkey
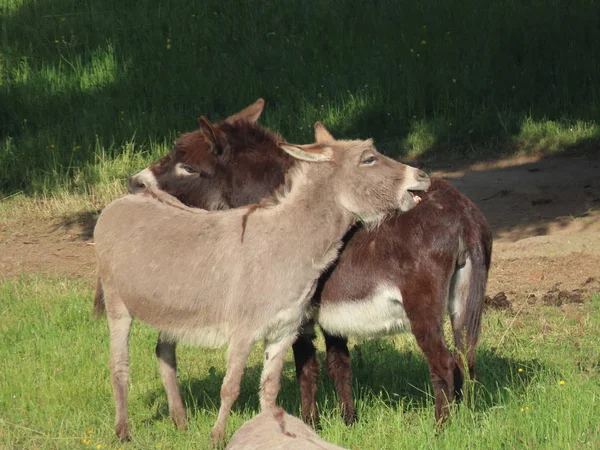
[403, 275]
[239, 276]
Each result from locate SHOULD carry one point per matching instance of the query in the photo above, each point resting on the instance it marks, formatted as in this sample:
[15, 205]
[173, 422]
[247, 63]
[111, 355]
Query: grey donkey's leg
[167, 365]
[270, 381]
[119, 323]
[237, 355]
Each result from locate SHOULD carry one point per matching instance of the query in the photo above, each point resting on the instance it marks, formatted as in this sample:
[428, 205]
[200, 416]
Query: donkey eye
[369, 160]
[188, 169]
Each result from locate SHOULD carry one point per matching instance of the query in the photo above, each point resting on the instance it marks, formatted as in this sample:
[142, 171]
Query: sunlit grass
[538, 384]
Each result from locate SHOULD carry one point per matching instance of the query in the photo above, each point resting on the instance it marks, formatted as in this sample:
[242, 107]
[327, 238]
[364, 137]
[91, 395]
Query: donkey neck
[311, 202]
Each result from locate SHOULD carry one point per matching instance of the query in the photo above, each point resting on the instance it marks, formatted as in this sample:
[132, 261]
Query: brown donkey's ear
[311, 152]
[215, 135]
[321, 134]
[250, 114]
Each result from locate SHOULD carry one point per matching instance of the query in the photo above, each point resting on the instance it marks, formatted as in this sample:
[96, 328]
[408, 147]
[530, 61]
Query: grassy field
[539, 385]
[92, 90]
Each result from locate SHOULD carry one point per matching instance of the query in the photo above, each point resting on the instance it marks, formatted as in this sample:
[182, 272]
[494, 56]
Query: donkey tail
[467, 294]
[480, 259]
[99, 306]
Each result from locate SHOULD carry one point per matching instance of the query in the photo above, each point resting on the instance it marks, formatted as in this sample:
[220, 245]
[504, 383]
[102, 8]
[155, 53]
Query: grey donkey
[239, 276]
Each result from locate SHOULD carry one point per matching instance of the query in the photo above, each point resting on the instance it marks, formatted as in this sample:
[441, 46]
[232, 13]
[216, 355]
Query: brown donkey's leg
[119, 323]
[237, 355]
[307, 372]
[430, 337]
[340, 371]
[167, 365]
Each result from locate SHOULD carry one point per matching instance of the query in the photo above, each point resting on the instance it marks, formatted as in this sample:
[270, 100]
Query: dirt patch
[545, 214]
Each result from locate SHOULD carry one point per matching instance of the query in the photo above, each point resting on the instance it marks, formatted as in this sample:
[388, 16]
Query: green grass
[54, 382]
[92, 90]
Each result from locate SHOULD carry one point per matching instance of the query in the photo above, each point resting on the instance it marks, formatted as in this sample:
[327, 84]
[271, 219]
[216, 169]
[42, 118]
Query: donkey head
[219, 166]
[367, 184]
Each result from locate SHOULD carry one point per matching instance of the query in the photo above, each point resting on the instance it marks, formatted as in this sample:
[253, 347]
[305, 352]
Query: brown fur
[435, 255]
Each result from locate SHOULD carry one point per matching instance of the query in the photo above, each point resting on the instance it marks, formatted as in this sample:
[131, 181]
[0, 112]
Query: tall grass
[80, 81]
[538, 385]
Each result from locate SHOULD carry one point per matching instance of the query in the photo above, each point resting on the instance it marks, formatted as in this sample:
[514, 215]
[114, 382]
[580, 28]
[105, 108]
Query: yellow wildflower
[168, 46]
[99, 446]
[56, 41]
[522, 409]
[520, 369]
[90, 432]
[423, 42]
[159, 444]
[86, 441]
[561, 382]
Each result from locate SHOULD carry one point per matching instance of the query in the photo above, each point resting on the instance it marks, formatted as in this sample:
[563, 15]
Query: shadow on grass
[380, 373]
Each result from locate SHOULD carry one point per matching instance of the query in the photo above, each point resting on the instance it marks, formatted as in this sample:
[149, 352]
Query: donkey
[239, 276]
[277, 430]
[403, 274]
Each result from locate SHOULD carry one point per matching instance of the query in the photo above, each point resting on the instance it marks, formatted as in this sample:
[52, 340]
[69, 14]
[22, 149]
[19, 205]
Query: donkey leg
[270, 380]
[167, 365]
[339, 370]
[119, 323]
[430, 338]
[459, 366]
[237, 355]
[307, 372]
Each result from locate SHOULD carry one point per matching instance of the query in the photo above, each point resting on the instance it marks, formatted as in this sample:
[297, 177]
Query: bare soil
[545, 214]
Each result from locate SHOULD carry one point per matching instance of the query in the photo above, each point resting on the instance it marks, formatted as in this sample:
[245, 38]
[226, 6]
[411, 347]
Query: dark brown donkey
[402, 275]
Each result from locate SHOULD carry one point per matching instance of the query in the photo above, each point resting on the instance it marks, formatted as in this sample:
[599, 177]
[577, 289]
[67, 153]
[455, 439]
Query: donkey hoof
[122, 431]
[216, 437]
[180, 422]
[349, 418]
[182, 425]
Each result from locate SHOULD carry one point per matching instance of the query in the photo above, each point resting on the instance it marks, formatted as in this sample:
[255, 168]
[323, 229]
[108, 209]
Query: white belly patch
[380, 314]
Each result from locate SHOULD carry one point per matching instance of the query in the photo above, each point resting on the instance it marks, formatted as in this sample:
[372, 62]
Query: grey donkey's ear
[310, 152]
[251, 113]
[321, 134]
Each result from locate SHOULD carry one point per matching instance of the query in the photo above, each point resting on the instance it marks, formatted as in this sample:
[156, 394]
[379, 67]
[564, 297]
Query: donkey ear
[249, 114]
[321, 133]
[216, 136]
[311, 152]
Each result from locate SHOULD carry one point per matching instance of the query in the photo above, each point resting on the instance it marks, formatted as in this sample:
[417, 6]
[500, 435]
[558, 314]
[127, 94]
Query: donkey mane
[278, 195]
[243, 137]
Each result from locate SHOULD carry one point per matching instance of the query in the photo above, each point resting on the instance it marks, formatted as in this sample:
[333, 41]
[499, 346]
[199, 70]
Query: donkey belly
[378, 314]
[210, 337]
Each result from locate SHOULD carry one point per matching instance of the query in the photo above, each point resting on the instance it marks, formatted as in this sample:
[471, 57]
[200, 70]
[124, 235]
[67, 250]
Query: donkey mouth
[415, 197]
